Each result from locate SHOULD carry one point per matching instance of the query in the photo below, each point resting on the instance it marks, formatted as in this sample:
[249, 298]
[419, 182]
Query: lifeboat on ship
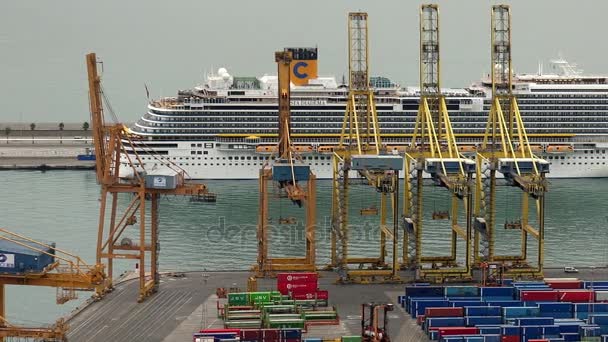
[303, 148]
[536, 148]
[325, 149]
[266, 148]
[467, 148]
[560, 149]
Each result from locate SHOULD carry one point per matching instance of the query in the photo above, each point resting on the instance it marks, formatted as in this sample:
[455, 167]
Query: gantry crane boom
[360, 151]
[288, 173]
[113, 141]
[67, 273]
[506, 150]
[434, 151]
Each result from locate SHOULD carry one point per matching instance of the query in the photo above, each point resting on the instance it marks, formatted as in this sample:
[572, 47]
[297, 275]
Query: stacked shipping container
[551, 310]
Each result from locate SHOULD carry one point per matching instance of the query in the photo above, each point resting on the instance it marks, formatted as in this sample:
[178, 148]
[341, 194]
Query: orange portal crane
[112, 141]
[67, 273]
[288, 173]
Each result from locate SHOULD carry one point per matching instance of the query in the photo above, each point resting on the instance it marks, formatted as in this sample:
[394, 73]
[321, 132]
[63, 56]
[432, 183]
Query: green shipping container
[259, 297]
[351, 338]
[286, 324]
[241, 298]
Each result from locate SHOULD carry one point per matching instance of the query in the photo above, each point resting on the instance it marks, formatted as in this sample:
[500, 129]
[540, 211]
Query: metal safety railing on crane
[53, 267]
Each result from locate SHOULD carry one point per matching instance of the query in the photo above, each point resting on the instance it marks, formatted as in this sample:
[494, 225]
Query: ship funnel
[304, 65]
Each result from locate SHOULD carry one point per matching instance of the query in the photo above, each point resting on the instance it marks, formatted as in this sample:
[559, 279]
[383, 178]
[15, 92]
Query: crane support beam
[506, 150]
[434, 151]
[51, 280]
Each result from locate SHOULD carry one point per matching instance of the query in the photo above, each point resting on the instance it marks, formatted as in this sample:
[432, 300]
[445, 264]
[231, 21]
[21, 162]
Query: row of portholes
[580, 163]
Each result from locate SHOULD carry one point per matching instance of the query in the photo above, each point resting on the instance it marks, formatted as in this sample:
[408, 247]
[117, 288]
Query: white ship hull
[245, 164]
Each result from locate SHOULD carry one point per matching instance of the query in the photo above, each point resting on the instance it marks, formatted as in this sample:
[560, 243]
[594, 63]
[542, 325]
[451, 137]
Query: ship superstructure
[226, 128]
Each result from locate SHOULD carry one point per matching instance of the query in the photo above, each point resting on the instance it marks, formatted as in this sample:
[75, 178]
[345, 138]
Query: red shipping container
[319, 294]
[420, 319]
[285, 288]
[251, 334]
[271, 335]
[444, 312]
[447, 331]
[510, 339]
[298, 277]
[576, 296]
[565, 285]
[535, 296]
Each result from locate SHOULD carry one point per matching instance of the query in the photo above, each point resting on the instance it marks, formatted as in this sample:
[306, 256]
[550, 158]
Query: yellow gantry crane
[360, 151]
[110, 142]
[288, 173]
[433, 151]
[506, 151]
[65, 272]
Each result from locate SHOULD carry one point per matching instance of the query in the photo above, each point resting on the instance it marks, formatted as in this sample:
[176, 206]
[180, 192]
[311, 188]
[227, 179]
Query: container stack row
[526, 311]
[259, 316]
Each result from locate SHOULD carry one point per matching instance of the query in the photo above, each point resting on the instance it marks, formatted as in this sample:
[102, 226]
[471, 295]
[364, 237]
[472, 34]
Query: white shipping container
[601, 296]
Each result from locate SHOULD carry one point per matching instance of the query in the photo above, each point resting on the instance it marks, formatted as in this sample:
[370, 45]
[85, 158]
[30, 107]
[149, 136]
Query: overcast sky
[169, 44]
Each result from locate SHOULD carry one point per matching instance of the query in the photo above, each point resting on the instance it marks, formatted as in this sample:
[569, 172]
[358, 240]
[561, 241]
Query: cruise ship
[226, 128]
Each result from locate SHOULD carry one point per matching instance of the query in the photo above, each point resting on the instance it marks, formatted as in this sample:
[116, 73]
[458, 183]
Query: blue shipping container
[433, 322]
[283, 172]
[531, 332]
[491, 338]
[17, 259]
[482, 311]
[518, 312]
[534, 321]
[495, 330]
[463, 303]
[506, 291]
[461, 291]
[598, 318]
[510, 330]
[551, 331]
[505, 303]
[590, 331]
[571, 337]
[410, 302]
[472, 321]
[424, 291]
[555, 307]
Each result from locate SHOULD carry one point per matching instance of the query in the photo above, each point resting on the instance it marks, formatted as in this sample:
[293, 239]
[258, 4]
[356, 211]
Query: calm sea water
[63, 207]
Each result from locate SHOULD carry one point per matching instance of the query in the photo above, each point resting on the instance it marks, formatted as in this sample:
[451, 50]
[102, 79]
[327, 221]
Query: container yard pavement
[186, 304]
